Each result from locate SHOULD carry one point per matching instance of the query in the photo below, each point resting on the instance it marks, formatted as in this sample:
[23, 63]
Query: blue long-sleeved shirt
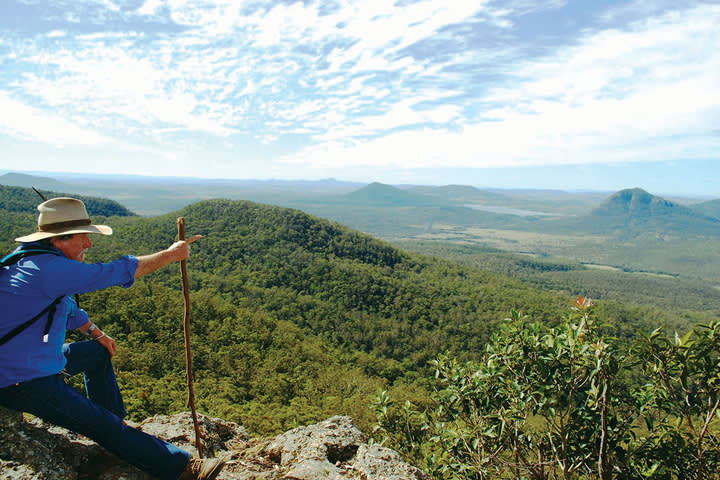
[32, 284]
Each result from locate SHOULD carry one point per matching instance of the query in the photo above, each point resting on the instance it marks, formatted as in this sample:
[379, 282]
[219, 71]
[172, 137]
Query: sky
[562, 94]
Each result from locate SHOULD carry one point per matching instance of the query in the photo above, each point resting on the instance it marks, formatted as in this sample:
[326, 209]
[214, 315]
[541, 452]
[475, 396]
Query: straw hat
[63, 216]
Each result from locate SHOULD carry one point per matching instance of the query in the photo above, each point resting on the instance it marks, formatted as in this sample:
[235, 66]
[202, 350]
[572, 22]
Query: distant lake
[511, 211]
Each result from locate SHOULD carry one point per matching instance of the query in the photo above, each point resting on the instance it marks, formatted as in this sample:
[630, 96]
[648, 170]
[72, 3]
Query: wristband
[101, 336]
[90, 330]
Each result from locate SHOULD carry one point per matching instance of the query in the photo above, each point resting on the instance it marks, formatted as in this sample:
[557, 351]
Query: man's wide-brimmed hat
[63, 216]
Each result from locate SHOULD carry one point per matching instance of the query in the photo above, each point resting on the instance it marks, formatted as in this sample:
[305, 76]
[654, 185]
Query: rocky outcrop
[333, 449]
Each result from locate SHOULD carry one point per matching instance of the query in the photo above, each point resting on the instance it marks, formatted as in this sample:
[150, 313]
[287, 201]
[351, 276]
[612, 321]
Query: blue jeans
[98, 417]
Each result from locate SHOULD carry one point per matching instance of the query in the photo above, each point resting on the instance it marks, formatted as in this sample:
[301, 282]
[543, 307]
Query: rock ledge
[332, 449]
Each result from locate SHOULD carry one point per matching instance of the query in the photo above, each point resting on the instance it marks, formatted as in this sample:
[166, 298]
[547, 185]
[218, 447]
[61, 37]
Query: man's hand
[176, 252]
[108, 343]
[182, 248]
[99, 336]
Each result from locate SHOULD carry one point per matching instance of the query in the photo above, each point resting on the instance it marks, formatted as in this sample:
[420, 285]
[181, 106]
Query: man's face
[74, 247]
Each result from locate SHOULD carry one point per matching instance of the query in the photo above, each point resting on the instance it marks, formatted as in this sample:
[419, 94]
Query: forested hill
[295, 318]
[25, 200]
[337, 282]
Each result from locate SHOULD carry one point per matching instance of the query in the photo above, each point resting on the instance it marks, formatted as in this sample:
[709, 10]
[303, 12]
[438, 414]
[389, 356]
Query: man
[37, 283]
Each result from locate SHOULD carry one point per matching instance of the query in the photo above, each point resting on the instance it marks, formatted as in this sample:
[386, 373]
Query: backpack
[50, 309]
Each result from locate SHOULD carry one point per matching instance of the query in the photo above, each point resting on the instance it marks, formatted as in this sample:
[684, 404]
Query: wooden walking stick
[186, 329]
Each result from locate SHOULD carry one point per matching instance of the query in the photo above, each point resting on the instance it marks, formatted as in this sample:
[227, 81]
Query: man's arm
[99, 336]
[146, 264]
[176, 252]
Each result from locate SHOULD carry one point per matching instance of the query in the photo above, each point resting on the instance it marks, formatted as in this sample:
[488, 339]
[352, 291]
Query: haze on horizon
[555, 94]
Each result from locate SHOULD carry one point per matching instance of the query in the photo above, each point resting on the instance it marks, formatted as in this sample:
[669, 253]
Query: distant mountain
[379, 195]
[636, 202]
[24, 180]
[635, 212]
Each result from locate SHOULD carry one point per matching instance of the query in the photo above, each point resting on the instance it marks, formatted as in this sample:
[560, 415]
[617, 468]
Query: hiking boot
[202, 469]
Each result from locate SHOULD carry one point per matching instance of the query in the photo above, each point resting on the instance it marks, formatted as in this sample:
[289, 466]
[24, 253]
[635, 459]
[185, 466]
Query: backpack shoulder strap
[18, 255]
[15, 257]
[19, 329]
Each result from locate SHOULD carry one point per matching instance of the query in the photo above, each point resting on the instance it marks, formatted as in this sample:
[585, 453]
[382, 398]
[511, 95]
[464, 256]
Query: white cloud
[149, 7]
[613, 97]
[368, 82]
[110, 78]
[27, 122]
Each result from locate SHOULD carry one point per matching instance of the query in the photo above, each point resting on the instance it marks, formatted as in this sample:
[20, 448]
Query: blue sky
[591, 94]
